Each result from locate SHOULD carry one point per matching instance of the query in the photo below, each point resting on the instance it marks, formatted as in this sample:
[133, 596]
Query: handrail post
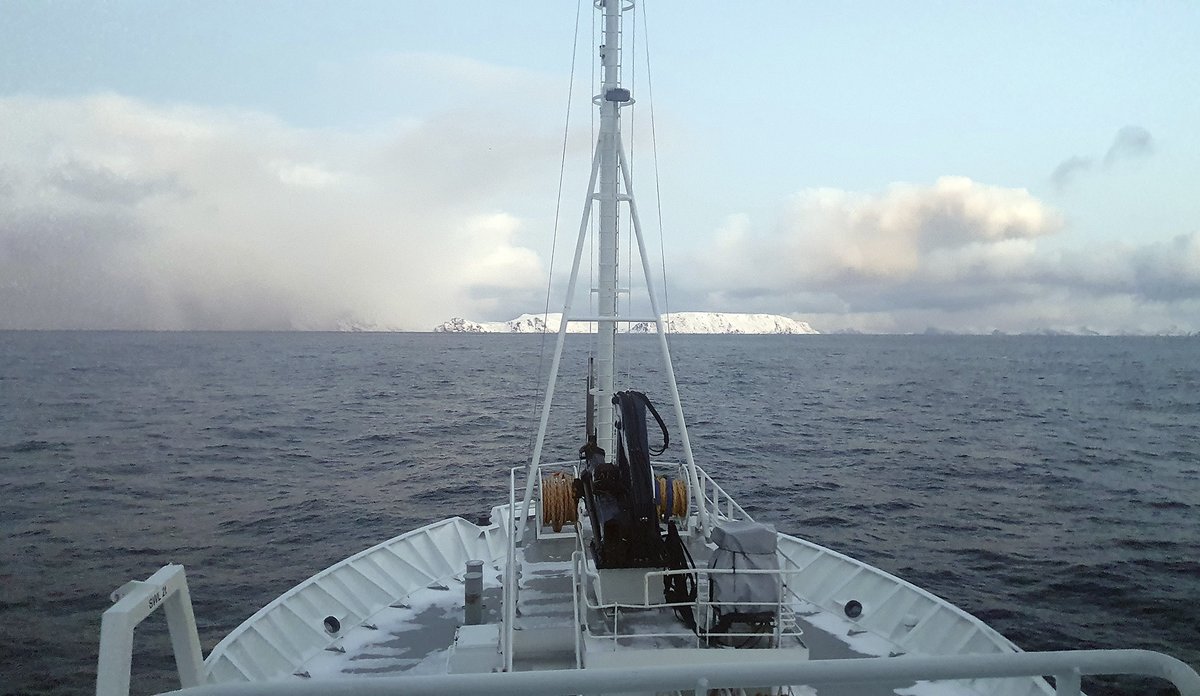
[578, 590]
[510, 595]
[1067, 683]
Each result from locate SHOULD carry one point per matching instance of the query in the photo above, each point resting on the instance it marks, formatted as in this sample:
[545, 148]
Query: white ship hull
[391, 617]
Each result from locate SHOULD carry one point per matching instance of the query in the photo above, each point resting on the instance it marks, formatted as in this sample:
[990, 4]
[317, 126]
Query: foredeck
[417, 634]
[400, 607]
[560, 621]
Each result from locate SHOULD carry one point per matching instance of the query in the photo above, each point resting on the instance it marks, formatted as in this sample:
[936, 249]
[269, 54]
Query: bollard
[473, 589]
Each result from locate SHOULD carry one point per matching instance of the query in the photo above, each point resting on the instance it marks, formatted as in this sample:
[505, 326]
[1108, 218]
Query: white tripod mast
[610, 168]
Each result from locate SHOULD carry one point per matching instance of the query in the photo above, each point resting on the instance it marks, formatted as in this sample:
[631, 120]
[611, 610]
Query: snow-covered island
[677, 322]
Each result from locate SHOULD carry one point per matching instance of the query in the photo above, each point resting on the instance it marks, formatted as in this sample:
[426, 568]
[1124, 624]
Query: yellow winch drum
[559, 506]
[558, 500]
[671, 495]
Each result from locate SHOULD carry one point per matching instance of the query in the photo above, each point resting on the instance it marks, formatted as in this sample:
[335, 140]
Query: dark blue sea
[1049, 485]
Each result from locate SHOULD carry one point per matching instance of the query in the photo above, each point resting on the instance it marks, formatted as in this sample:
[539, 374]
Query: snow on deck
[414, 631]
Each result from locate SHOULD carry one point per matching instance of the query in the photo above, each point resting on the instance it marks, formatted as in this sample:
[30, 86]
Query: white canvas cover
[744, 545]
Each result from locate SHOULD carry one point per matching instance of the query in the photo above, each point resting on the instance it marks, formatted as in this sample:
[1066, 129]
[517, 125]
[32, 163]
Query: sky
[872, 166]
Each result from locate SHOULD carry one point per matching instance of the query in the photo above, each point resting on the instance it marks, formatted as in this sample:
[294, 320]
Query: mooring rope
[560, 508]
[672, 497]
[558, 500]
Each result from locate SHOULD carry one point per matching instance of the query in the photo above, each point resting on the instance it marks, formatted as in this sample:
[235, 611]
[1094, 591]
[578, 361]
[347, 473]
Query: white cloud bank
[957, 254]
[118, 214]
[830, 238]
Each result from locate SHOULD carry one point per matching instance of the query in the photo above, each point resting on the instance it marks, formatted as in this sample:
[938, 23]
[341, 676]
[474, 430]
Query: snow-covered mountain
[526, 323]
[678, 322]
[727, 323]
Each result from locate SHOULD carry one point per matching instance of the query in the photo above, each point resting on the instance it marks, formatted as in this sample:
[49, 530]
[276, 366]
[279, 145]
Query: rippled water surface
[1051, 486]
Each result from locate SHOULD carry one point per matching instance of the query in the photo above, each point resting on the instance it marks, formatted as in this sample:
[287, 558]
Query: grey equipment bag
[744, 545]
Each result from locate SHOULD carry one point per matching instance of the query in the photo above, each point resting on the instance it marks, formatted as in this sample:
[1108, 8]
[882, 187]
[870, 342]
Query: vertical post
[473, 594]
[185, 639]
[589, 426]
[116, 654]
[610, 127]
[1067, 684]
[510, 573]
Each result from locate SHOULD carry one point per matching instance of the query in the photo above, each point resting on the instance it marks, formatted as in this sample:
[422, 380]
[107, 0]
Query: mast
[610, 170]
[612, 96]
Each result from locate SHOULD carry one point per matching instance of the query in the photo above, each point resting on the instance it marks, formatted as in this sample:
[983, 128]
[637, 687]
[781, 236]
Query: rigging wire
[591, 111]
[593, 300]
[562, 167]
[629, 184]
[662, 250]
[632, 164]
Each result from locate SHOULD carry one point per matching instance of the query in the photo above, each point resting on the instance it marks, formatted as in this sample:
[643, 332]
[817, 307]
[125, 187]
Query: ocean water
[1049, 485]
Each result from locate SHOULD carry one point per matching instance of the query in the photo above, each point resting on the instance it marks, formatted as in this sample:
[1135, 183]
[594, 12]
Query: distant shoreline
[922, 334]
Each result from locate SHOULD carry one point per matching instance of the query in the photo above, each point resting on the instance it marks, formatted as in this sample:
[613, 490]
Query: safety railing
[785, 625]
[715, 498]
[785, 632]
[1066, 667]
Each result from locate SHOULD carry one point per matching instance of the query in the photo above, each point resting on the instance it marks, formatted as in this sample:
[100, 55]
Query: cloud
[828, 238]
[101, 185]
[1066, 171]
[1131, 142]
[956, 254]
[115, 213]
[1162, 271]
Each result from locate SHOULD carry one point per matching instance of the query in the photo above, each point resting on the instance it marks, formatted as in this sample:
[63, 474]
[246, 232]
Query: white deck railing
[1066, 667]
[784, 632]
[715, 497]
